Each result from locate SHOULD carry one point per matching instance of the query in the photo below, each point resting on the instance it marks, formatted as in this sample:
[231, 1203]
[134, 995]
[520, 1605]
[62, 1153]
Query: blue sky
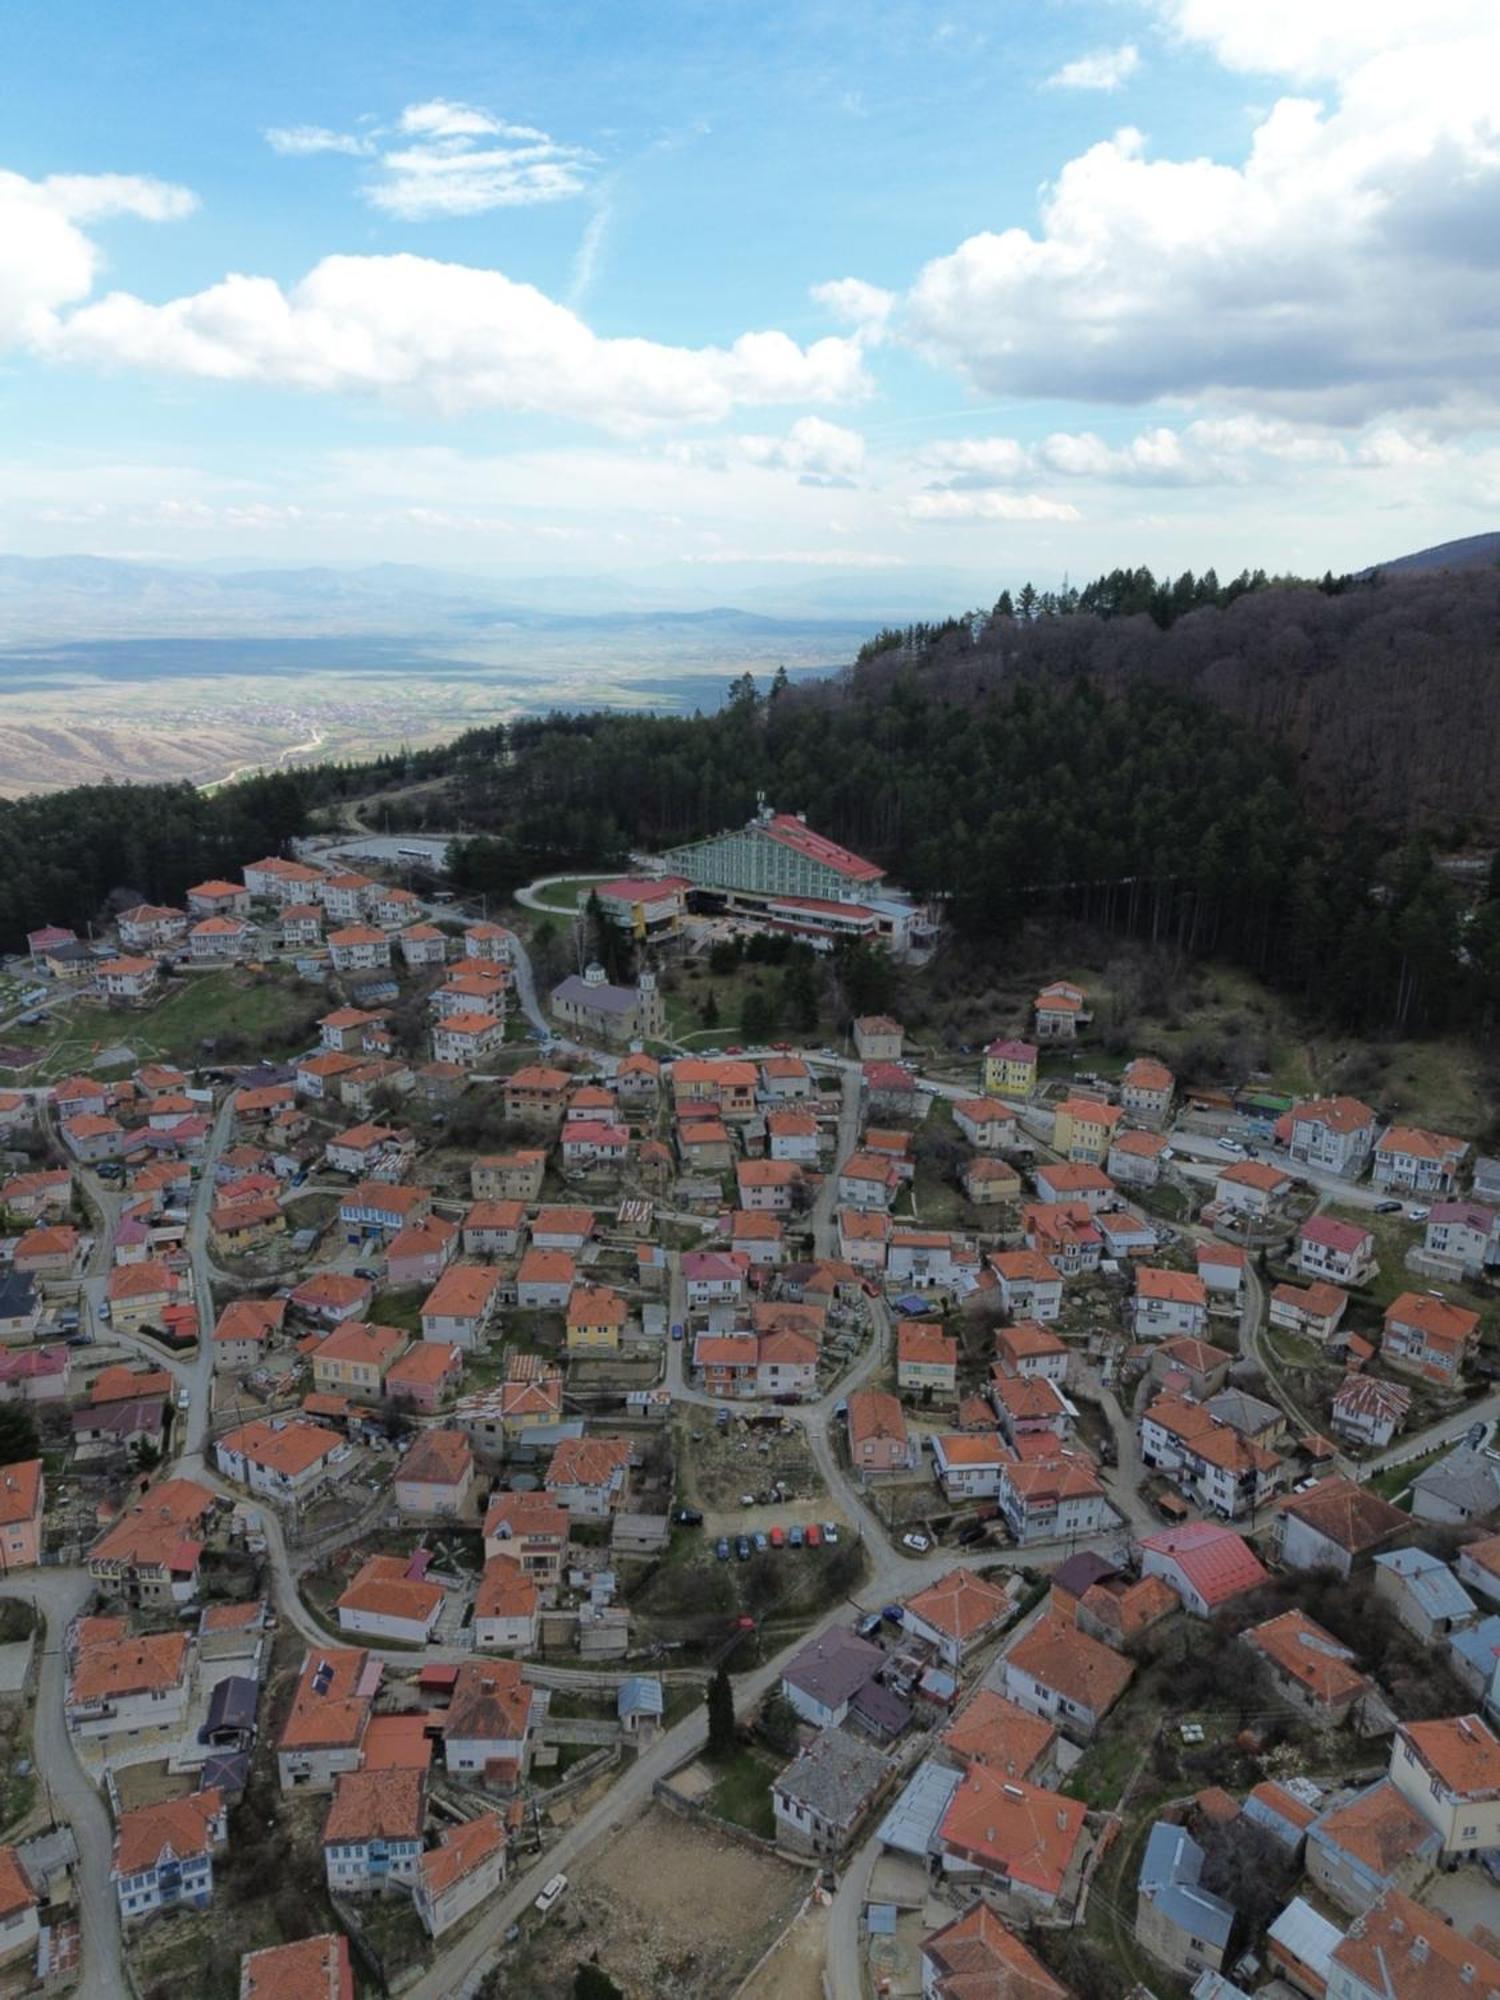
[813, 301]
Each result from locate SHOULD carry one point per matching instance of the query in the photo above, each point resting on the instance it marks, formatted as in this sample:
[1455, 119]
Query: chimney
[1419, 1950]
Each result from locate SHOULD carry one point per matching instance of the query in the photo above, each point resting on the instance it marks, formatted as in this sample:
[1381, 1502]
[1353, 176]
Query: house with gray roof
[1182, 1926]
[822, 1679]
[1424, 1593]
[1249, 1415]
[1474, 1654]
[614, 1015]
[821, 1797]
[1464, 1486]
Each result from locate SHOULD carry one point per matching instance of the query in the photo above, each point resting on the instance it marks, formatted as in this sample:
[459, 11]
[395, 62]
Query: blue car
[742, 1548]
[721, 1548]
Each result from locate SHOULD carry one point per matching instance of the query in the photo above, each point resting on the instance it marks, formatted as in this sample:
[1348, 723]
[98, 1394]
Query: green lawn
[269, 1013]
[742, 1792]
[565, 897]
[1394, 1236]
[1396, 1480]
[402, 1309]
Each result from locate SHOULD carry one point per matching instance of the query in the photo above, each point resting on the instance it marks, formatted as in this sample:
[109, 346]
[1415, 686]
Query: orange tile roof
[1176, 1287]
[874, 1414]
[250, 1319]
[1146, 1073]
[1462, 1750]
[315, 1968]
[1339, 1114]
[925, 1346]
[179, 1827]
[977, 1957]
[1378, 1828]
[425, 1363]
[1312, 1657]
[154, 1531]
[148, 1280]
[1020, 1830]
[1028, 1266]
[362, 1343]
[382, 1587]
[1255, 1174]
[16, 1892]
[505, 1590]
[140, 1664]
[377, 1805]
[588, 1461]
[546, 1267]
[396, 1743]
[502, 1215]
[290, 1450]
[331, 1707]
[991, 1730]
[1432, 1317]
[596, 1305]
[461, 1851]
[1060, 1657]
[20, 1491]
[1353, 1517]
[959, 1604]
[525, 1515]
[1400, 1948]
[439, 1457]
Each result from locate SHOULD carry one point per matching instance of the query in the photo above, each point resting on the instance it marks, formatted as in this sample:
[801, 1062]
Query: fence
[689, 1809]
[582, 1773]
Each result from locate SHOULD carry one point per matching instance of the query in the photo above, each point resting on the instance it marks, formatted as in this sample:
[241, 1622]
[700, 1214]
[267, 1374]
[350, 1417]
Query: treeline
[1123, 593]
[64, 856]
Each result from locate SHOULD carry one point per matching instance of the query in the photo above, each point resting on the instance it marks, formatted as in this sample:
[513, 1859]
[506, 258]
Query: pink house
[878, 1437]
[23, 1500]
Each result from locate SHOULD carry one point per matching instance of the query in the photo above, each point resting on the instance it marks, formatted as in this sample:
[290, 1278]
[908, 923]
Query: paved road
[1191, 1146]
[61, 1594]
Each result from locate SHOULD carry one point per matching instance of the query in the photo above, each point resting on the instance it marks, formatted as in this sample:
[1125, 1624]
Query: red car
[814, 1535]
[778, 1538]
[733, 1049]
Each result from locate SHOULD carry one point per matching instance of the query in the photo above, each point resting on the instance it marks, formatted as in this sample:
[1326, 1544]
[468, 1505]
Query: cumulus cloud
[452, 335]
[815, 451]
[1100, 69]
[46, 260]
[298, 140]
[949, 503]
[1348, 266]
[1328, 38]
[853, 303]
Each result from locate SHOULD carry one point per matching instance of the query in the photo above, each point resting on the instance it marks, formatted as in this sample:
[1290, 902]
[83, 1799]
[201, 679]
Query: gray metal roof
[1310, 1939]
[1432, 1584]
[597, 999]
[1466, 1479]
[912, 1823]
[835, 1777]
[1169, 1876]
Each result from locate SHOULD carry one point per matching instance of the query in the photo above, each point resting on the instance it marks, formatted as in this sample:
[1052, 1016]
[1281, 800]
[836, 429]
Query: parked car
[831, 1533]
[920, 1544]
[1416, 1213]
[778, 1538]
[761, 1544]
[721, 1548]
[814, 1535]
[688, 1517]
[1387, 1208]
[742, 1547]
[970, 1532]
[184, 1397]
[893, 1614]
[795, 1537]
[1228, 1145]
[551, 1892]
[677, 1329]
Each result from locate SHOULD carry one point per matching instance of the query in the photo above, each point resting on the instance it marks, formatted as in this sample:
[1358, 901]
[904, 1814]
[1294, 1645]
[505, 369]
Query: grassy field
[242, 1012]
[1394, 1236]
[565, 897]
[742, 1792]
[693, 982]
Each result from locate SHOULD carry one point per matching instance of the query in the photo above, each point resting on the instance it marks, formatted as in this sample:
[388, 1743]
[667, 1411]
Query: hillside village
[544, 1487]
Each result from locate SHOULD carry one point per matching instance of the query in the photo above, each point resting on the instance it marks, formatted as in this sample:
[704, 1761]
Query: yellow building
[1084, 1128]
[353, 1360]
[596, 1320]
[1009, 1069]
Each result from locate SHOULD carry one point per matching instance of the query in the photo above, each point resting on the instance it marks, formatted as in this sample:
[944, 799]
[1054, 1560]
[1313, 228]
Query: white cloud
[816, 451]
[298, 140]
[853, 303]
[451, 335]
[46, 260]
[1348, 267]
[949, 503]
[462, 160]
[1100, 69]
[1321, 38]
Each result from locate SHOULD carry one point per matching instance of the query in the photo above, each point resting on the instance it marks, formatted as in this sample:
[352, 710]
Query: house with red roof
[976, 1956]
[465, 1868]
[163, 1854]
[1208, 1565]
[1019, 1838]
[1049, 1491]
[1335, 1135]
[969, 1464]
[1427, 1336]
[1411, 1160]
[1342, 1252]
[1030, 1286]
[878, 1438]
[926, 1359]
[955, 1614]
[1168, 1303]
